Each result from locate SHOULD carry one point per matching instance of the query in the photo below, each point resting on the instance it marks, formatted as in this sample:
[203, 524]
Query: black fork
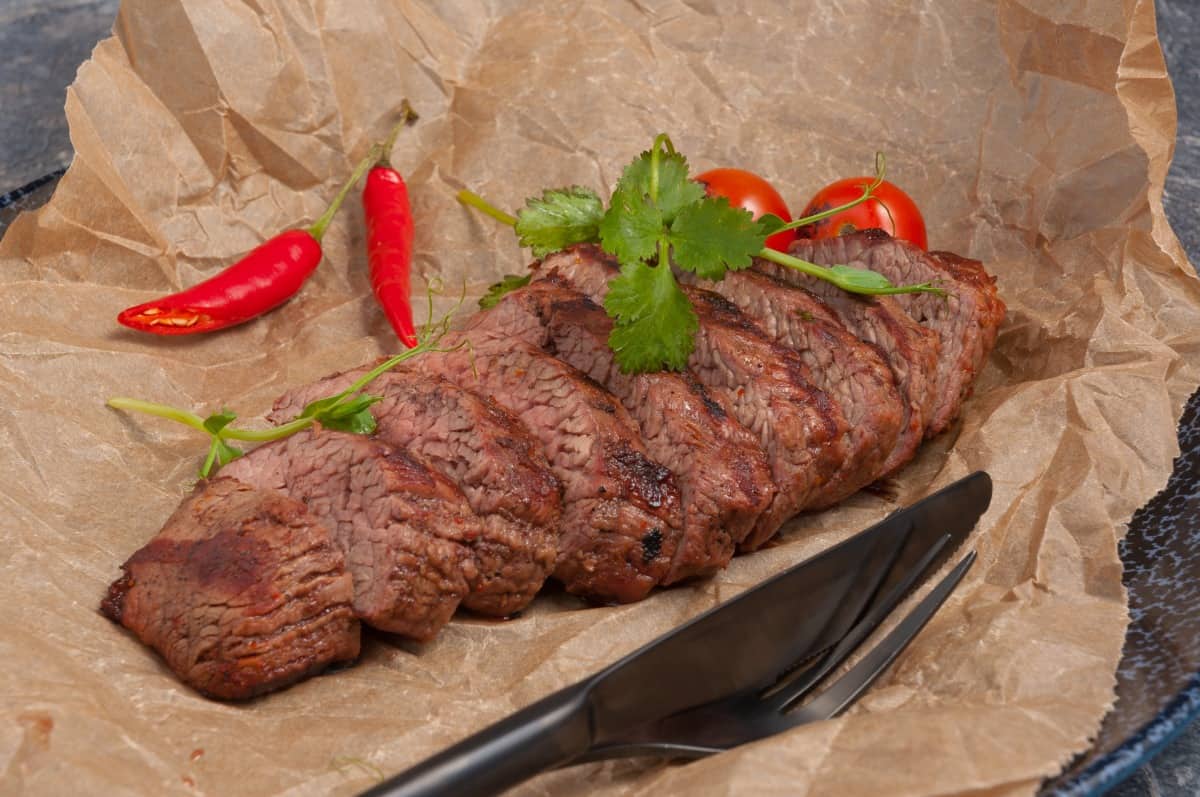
[742, 718]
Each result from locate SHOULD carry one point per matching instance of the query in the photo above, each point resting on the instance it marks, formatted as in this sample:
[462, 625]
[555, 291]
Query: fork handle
[546, 734]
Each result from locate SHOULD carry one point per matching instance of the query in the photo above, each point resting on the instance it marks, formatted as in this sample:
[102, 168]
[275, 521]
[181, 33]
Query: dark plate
[1158, 680]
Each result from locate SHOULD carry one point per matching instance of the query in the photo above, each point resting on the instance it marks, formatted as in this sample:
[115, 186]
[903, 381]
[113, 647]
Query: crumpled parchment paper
[1034, 134]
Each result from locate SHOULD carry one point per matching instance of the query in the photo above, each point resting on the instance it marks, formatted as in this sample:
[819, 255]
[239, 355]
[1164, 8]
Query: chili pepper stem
[317, 230]
[408, 117]
[474, 200]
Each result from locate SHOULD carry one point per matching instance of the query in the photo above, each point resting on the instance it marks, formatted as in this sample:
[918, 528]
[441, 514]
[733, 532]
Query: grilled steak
[621, 518]
[405, 530]
[764, 385]
[489, 454]
[724, 480]
[852, 373]
[241, 592]
[910, 349]
[966, 320]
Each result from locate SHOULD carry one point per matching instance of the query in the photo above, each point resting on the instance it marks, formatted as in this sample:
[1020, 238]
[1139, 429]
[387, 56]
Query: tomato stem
[317, 230]
[814, 218]
[868, 192]
[474, 200]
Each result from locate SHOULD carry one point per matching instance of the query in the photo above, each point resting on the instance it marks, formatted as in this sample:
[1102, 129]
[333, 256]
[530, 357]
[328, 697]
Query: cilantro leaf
[225, 452]
[361, 422]
[219, 452]
[655, 324]
[558, 219]
[675, 190]
[335, 412]
[314, 408]
[631, 228]
[214, 423]
[770, 224]
[711, 236]
[507, 284]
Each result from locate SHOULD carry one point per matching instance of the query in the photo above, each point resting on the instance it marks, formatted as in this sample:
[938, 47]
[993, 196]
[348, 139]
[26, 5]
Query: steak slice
[966, 320]
[242, 592]
[765, 386]
[404, 529]
[884, 434]
[910, 349]
[489, 454]
[724, 480]
[621, 519]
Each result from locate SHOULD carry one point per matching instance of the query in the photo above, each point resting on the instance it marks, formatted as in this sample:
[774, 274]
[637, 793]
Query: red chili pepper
[390, 239]
[262, 280]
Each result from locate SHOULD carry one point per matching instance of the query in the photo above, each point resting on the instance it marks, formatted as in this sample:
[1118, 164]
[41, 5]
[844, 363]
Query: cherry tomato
[747, 190]
[889, 209]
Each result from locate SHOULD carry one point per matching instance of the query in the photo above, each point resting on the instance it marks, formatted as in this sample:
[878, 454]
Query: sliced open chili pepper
[390, 238]
[262, 280]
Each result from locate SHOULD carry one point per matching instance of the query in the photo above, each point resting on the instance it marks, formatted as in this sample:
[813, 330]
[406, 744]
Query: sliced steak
[884, 435]
[765, 386]
[910, 349]
[242, 592]
[724, 480]
[966, 319]
[489, 454]
[404, 529]
[621, 520]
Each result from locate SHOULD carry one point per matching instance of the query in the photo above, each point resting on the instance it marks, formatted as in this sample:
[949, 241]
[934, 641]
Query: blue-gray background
[43, 41]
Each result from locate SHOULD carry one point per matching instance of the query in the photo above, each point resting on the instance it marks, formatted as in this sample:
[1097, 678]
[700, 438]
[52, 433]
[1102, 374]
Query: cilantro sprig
[347, 411]
[659, 220]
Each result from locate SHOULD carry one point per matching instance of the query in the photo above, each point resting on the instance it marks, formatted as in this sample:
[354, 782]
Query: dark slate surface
[43, 42]
[1176, 771]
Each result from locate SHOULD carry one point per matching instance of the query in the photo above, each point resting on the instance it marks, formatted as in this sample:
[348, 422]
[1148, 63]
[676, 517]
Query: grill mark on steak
[911, 350]
[722, 473]
[241, 592]
[489, 454]
[613, 494]
[762, 384]
[405, 530]
[852, 373]
[966, 320]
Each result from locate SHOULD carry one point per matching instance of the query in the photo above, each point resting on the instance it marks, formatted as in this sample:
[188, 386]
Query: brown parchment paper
[1035, 135]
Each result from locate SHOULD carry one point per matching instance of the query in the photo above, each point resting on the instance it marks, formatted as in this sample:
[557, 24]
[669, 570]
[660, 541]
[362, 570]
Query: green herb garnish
[347, 411]
[657, 219]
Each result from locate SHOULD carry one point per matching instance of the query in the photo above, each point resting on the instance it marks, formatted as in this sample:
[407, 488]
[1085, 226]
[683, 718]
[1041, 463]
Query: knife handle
[548, 733]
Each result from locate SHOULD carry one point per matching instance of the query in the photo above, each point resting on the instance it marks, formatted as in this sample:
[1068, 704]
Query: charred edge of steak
[113, 604]
[798, 471]
[640, 475]
[966, 320]
[605, 510]
[206, 593]
[852, 373]
[722, 473]
[911, 350]
[492, 456]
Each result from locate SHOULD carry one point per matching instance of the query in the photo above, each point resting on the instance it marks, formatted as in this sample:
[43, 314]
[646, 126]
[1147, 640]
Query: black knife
[738, 646]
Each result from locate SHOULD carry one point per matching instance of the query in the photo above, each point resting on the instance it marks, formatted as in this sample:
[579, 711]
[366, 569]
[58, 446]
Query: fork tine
[846, 689]
[789, 691]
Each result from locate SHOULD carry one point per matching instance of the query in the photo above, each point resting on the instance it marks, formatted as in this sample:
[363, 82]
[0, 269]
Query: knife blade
[738, 646]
